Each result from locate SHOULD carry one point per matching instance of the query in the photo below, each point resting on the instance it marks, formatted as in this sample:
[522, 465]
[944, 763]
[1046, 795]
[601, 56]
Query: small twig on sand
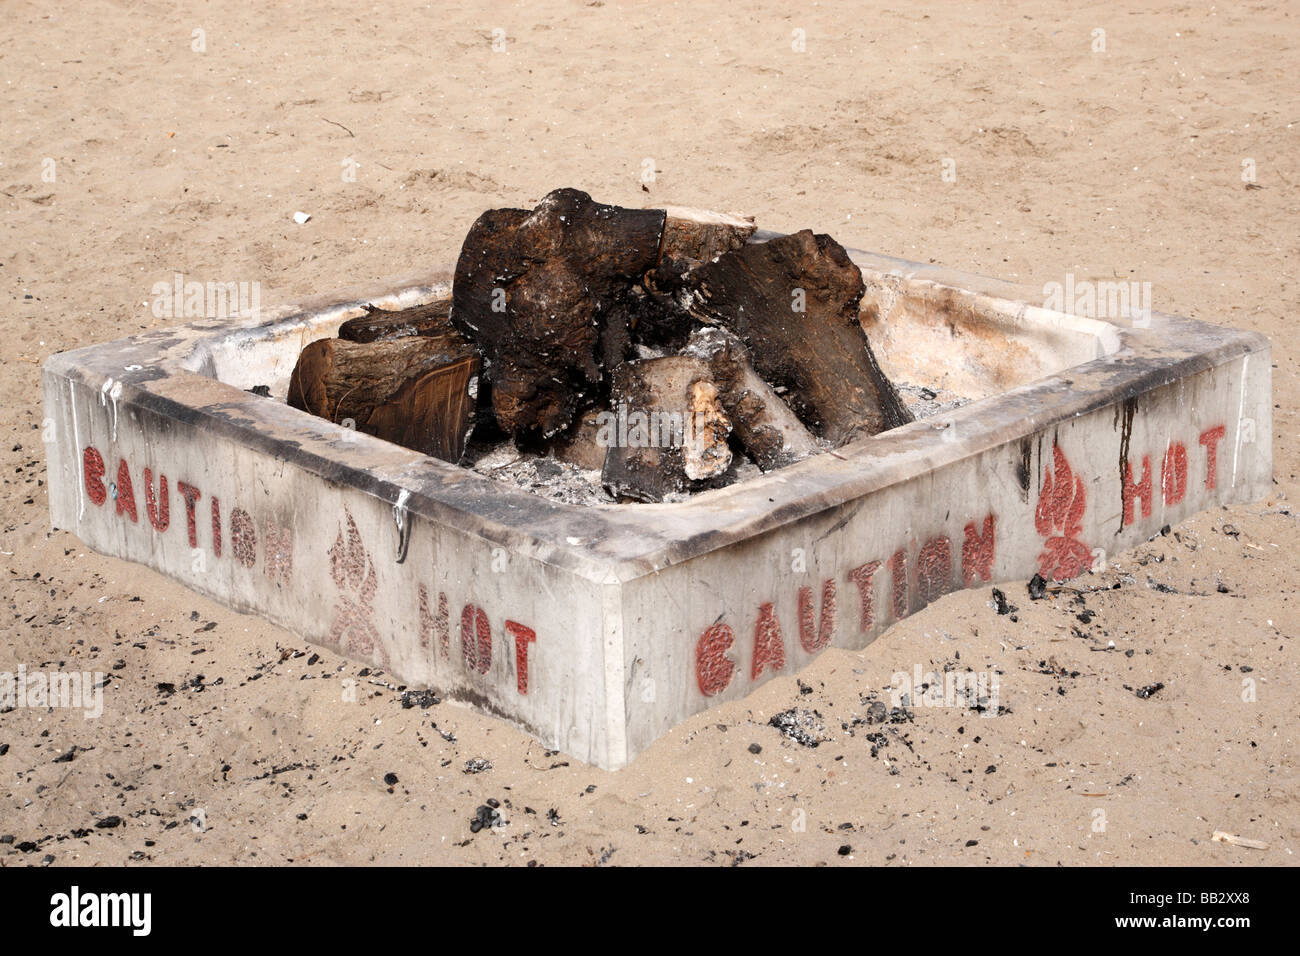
[340, 126]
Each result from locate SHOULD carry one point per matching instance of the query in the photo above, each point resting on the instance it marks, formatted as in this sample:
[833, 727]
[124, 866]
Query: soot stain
[1125, 415]
[1024, 467]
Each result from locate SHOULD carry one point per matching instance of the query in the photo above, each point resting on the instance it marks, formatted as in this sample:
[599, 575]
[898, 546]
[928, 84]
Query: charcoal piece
[379, 325]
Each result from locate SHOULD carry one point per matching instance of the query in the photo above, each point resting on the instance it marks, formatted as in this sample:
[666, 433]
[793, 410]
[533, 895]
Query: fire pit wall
[598, 629]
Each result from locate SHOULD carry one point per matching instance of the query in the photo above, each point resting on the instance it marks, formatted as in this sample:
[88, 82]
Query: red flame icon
[353, 630]
[1059, 519]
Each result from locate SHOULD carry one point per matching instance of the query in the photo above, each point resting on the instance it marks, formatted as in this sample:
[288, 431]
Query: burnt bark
[662, 319]
[819, 353]
[432, 414]
[534, 289]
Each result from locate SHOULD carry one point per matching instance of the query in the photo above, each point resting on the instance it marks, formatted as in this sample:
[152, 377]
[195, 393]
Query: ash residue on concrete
[924, 401]
[552, 479]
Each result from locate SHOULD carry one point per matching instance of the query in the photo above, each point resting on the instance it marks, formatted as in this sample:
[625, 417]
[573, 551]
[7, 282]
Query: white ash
[924, 401]
[552, 479]
[494, 458]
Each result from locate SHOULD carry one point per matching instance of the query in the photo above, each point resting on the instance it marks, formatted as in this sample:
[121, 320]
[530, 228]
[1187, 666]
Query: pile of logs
[658, 345]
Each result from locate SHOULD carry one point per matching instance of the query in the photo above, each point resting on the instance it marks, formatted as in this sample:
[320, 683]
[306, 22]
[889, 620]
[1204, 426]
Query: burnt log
[667, 431]
[431, 414]
[702, 234]
[533, 289]
[414, 391]
[794, 302]
[767, 428]
[379, 325]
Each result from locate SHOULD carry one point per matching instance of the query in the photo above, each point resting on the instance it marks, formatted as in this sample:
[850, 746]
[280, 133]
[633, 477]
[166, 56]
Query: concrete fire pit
[596, 629]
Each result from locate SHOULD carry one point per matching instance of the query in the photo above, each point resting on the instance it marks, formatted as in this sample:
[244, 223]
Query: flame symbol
[353, 629]
[1059, 519]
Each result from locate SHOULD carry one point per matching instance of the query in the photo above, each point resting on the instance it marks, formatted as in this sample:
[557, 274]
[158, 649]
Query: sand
[127, 156]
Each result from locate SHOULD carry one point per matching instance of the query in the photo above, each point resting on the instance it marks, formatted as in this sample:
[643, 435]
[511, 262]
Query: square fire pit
[598, 628]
